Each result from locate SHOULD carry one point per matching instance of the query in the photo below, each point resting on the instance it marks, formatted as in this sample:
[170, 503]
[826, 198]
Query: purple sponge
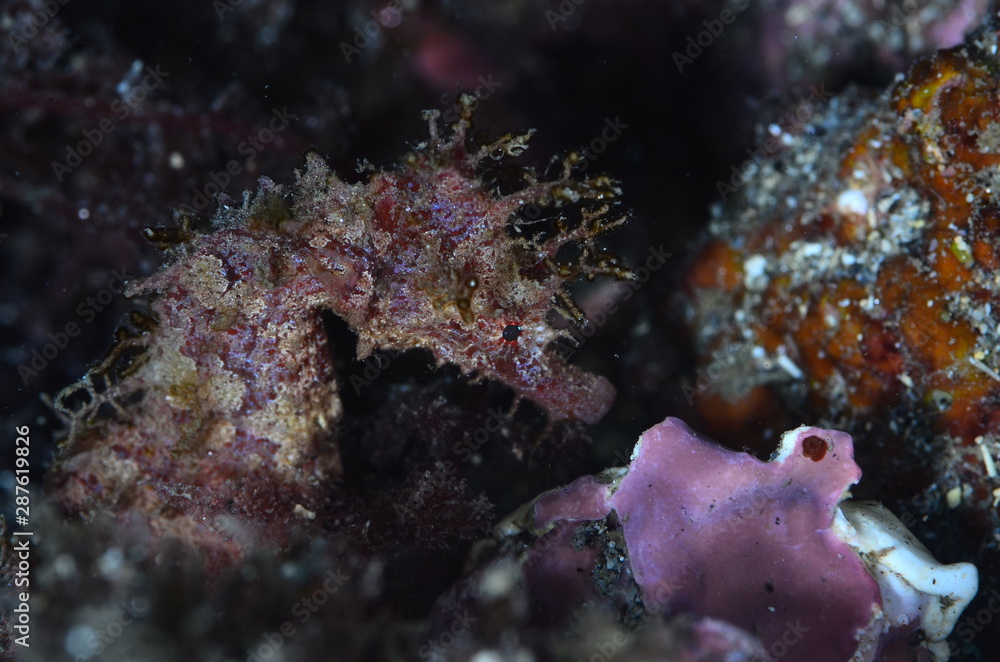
[749, 542]
[772, 549]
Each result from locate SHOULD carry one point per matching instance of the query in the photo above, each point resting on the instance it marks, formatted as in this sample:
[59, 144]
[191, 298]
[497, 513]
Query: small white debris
[789, 366]
[498, 581]
[79, 642]
[852, 202]
[176, 160]
[812, 249]
[110, 562]
[954, 497]
[847, 259]
[572, 194]
[991, 467]
[755, 272]
[64, 566]
[906, 379]
[303, 512]
[984, 368]
[774, 130]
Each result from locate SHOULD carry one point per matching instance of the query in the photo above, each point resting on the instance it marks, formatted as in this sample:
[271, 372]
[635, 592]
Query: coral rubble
[773, 549]
[222, 398]
[853, 278]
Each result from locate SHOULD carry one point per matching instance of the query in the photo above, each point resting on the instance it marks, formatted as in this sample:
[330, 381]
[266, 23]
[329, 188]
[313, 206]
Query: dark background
[563, 69]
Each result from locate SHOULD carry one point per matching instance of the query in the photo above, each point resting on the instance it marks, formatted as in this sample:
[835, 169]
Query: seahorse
[221, 398]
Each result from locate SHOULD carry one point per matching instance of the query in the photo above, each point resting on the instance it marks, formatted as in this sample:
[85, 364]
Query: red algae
[221, 398]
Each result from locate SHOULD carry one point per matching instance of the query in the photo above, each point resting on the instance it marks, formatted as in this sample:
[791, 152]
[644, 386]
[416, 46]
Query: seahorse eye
[511, 332]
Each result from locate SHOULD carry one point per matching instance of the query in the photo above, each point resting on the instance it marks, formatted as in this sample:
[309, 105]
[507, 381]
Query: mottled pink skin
[227, 345]
[434, 230]
[225, 397]
[730, 537]
[433, 255]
